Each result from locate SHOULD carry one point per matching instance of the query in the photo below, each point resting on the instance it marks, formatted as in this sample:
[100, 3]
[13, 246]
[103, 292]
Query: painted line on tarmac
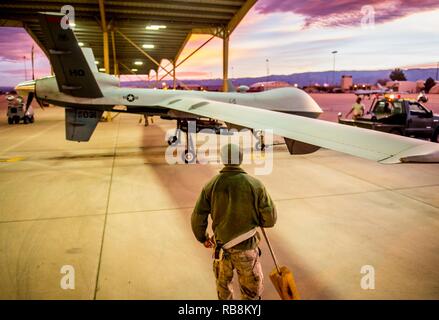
[30, 138]
[113, 165]
[7, 129]
[13, 159]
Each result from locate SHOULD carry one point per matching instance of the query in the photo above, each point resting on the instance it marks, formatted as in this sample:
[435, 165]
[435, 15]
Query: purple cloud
[15, 44]
[346, 12]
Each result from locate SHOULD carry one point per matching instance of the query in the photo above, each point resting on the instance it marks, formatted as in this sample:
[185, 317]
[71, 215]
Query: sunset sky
[295, 35]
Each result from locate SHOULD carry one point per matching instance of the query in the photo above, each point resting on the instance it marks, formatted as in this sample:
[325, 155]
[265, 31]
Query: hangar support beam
[115, 65]
[190, 55]
[174, 81]
[143, 52]
[104, 37]
[225, 59]
[128, 69]
[237, 18]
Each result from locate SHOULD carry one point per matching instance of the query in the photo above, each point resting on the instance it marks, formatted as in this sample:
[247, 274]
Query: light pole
[437, 71]
[33, 63]
[268, 68]
[333, 62]
[25, 68]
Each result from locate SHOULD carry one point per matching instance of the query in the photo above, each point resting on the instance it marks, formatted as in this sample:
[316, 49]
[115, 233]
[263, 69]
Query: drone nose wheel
[172, 140]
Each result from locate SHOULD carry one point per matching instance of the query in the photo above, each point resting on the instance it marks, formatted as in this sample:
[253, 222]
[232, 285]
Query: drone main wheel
[189, 156]
[260, 146]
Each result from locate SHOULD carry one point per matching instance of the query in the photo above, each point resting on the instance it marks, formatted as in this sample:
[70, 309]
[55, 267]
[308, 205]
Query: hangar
[118, 214]
[133, 37]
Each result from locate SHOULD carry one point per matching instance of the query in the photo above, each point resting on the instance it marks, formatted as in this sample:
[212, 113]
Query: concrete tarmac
[120, 215]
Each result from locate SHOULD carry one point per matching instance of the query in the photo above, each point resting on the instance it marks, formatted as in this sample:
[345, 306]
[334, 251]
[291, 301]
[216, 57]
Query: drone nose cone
[308, 103]
[25, 87]
[300, 101]
[289, 100]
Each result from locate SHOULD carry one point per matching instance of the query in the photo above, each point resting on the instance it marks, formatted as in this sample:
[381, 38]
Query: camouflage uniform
[250, 276]
[237, 203]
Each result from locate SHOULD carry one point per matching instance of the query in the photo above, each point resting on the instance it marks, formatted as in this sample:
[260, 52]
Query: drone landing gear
[173, 140]
[260, 144]
[189, 155]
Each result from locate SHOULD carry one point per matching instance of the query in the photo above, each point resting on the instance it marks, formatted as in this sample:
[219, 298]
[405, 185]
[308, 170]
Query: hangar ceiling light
[155, 27]
[148, 46]
[138, 63]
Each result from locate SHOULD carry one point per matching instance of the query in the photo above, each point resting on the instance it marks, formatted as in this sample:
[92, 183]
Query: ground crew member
[237, 203]
[357, 109]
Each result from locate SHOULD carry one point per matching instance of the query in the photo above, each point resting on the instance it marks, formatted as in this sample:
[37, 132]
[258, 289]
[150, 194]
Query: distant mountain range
[309, 78]
[6, 89]
[302, 79]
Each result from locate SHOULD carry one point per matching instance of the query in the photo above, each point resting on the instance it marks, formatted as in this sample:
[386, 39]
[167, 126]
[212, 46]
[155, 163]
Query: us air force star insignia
[130, 98]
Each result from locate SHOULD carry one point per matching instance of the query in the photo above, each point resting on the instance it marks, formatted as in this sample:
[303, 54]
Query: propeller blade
[30, 97]
[39, 103]
[27, 87]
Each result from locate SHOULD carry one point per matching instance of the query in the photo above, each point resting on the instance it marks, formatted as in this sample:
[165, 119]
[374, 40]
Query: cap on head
[231, 154]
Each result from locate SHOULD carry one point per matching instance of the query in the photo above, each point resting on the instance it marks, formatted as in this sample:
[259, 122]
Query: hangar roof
[181, 18]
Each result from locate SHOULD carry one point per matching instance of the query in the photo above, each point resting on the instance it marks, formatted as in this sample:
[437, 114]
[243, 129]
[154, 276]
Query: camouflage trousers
[249, 270]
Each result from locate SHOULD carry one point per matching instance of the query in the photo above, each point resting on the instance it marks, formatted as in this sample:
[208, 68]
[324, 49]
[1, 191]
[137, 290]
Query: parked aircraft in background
[380, 90]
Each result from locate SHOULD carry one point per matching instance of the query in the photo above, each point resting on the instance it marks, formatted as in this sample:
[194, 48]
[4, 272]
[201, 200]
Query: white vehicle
[291, 113]
[18, 111]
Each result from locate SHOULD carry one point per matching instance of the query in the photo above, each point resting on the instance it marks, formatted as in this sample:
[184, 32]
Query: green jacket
[237, 203]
